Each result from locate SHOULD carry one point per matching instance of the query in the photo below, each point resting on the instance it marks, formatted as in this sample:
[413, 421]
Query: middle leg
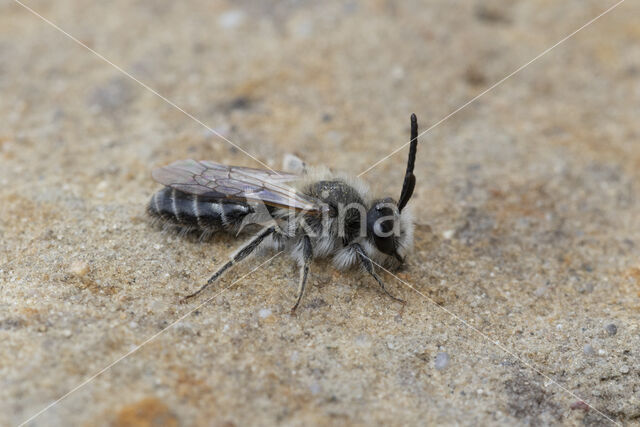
[307, 254]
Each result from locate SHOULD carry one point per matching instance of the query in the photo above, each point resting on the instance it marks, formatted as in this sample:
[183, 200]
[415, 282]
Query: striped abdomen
[194, 212]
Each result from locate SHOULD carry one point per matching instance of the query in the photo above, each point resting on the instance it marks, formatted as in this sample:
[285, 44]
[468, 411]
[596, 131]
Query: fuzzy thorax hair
[345, 257]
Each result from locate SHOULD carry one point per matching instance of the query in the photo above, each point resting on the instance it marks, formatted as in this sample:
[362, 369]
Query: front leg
[366, 262]
[306, 255]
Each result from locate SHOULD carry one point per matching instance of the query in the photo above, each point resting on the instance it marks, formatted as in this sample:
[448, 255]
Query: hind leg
[244, 251]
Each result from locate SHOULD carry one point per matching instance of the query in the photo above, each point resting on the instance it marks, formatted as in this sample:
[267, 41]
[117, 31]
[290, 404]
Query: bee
[313, 214]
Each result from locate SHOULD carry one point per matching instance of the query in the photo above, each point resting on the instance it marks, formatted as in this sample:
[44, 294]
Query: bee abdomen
[196, 212]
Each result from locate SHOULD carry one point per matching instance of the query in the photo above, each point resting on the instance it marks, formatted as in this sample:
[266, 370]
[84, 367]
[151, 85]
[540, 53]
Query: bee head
[387, 224]
[383, 226]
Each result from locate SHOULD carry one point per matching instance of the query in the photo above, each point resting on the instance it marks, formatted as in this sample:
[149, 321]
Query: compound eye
[383, 228]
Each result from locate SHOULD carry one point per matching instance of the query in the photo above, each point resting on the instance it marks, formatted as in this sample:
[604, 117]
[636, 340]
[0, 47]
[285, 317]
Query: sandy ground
[527, 243]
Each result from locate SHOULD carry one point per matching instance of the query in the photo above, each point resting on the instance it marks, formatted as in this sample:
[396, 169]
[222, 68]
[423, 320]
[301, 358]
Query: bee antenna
[409, 178]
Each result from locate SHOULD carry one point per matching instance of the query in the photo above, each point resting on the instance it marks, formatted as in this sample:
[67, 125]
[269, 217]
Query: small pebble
[185, 328]
[442, 361]
[315, 388]
[588, 288]
[66, 333]
[541, 291]
[108, 97]
[448, 234]
[611, 329]
[397, 73]
[302, 27]
[362, 341]
[580, 405]
[264, 313]
[624, 369]
[231, 19]
[588, 349]
[79, 268]
[292, 163]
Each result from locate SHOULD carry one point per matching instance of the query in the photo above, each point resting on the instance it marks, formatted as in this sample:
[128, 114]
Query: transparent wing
[218, 181]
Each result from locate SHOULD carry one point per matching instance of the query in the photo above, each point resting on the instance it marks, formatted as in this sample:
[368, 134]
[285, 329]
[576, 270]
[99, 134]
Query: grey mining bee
[314, 214]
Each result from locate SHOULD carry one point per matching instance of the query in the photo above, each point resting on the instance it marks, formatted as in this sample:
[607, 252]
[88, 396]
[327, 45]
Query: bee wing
[218, 181]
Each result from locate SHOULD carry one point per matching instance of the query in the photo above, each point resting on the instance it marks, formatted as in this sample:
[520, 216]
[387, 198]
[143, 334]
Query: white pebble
[397, 73]
[448, 234]
[315, 388]
[231, 19]
[79, 268]
[263, 313]
[442, 361]
[541, 291]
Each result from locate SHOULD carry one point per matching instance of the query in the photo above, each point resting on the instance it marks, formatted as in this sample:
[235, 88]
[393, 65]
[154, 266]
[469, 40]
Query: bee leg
[368, 266]
[307, 254]
[244, 251]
